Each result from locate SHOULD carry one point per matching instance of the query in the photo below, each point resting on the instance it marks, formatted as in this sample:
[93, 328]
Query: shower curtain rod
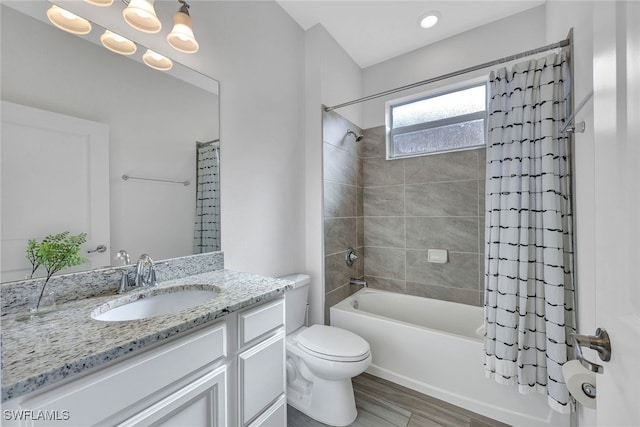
[562, 43]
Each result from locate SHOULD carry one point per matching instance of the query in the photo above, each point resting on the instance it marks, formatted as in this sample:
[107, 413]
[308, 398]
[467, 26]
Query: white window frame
[390, 105]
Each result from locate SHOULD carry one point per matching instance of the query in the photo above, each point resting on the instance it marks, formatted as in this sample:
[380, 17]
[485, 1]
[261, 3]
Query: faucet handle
[124, 256]
[151, 277]
[350, 256]
[124, 282]
[146, 259]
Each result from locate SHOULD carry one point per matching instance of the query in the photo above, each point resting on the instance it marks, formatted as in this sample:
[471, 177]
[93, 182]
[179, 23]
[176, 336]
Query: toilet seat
[331, 343]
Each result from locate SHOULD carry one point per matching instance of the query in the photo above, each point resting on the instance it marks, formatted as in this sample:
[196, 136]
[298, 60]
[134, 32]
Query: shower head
[355, 135]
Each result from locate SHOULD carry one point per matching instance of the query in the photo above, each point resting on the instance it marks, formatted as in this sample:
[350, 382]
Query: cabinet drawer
[117, 387]
[258, 321]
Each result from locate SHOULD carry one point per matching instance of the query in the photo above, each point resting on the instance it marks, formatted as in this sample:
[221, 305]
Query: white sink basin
[157, 303]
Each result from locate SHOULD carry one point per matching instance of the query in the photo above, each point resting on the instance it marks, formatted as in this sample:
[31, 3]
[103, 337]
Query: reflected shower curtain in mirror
[207, 223]
[529, 289]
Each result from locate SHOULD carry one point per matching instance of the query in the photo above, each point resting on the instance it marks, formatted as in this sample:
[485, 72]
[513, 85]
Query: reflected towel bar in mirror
[128, 177]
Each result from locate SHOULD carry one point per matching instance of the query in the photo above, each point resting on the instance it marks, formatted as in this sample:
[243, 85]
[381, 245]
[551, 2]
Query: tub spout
[363, 283]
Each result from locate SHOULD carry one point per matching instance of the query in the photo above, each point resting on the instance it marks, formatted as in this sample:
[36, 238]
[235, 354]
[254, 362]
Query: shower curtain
[529, 289]
[207, 222]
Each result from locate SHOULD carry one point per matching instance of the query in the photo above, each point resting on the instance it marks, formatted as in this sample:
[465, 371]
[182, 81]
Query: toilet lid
[333, 343]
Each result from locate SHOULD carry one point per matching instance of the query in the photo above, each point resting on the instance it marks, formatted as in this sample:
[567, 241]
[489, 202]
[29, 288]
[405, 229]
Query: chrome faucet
[359, 282]
[150, 277]
[124, 256]
[124, 280]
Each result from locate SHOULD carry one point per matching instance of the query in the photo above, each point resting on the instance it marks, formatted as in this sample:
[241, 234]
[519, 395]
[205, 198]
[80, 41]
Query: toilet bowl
[321, 360]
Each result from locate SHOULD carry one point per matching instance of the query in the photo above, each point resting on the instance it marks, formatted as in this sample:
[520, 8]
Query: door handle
[599, 342]
[99, 248]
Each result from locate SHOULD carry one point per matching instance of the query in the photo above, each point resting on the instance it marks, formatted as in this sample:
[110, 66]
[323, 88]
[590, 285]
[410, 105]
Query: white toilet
[321, 360]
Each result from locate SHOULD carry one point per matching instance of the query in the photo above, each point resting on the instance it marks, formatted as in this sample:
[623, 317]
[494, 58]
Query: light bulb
[157, 61]
[118, 44]
[68, 21]
[181, 36]
[141, 15]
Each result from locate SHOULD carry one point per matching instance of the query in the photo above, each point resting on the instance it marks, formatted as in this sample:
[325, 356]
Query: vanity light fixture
[429, 19]
[141, 15]
[118, 44]
[101, 3]
[157, 61]
[181, 36]
[68, 21]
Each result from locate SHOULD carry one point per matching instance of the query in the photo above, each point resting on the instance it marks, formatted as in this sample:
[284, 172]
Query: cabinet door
[262, 377]
[200, 404]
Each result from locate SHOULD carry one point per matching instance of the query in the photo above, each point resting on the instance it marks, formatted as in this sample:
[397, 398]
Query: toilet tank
[296, 300]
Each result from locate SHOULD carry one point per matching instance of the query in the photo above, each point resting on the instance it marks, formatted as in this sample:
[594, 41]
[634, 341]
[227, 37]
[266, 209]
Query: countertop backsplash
[17, 297]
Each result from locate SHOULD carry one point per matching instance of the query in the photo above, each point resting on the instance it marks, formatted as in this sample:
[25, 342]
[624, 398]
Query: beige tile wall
[392, 212]
[343, 218]
[415, 204]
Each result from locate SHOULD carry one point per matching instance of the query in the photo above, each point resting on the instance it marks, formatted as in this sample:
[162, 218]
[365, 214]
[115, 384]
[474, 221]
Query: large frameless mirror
[95, 142]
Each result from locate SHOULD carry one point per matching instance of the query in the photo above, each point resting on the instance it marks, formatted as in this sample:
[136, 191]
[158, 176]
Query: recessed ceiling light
[429, 19]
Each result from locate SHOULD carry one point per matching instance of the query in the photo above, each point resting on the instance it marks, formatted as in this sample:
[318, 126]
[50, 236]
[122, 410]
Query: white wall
[274, 78]
[508, 36]
[154, 121]
[255, 50]
[561, 16]
[331, 77]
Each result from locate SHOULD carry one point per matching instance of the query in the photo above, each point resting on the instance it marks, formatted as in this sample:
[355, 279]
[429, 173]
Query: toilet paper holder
[599, 342]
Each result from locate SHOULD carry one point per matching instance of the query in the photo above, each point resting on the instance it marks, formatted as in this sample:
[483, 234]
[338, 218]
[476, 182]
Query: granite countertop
[45, 349]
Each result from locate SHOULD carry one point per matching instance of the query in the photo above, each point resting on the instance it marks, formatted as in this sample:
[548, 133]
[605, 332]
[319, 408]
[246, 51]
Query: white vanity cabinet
[114, 393]
[229, 373]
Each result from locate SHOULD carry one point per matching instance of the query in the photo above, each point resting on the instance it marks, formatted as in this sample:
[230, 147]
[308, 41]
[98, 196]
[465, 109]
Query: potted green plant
[53, 253]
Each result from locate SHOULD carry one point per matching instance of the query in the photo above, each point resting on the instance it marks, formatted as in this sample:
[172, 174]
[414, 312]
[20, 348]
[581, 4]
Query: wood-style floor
[382, 403]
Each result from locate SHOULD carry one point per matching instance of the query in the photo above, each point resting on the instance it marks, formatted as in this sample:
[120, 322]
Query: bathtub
[435, 347]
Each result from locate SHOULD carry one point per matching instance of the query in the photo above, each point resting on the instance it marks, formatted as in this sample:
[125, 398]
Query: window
[449, 121]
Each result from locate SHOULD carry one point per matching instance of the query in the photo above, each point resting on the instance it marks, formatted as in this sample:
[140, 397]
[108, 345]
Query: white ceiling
[372, 31]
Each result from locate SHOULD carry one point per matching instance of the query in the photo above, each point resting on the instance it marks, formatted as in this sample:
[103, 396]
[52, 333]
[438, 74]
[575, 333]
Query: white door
[55, 178]
[617, 207]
